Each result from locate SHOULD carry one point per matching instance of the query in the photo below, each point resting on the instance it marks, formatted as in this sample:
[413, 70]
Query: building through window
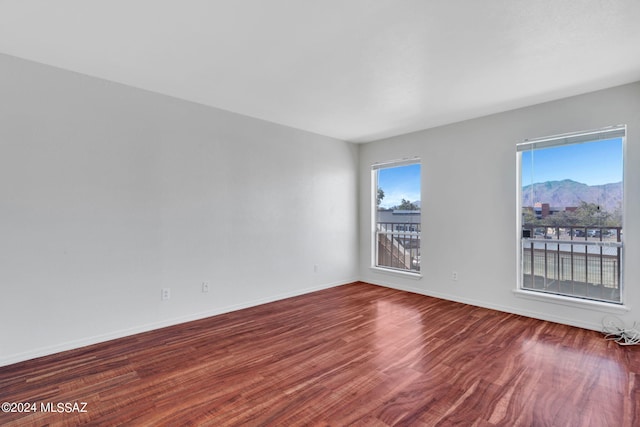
[397, 215]
[571, 208]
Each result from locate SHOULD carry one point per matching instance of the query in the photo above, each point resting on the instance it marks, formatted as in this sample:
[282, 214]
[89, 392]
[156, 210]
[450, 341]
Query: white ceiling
[357, 70]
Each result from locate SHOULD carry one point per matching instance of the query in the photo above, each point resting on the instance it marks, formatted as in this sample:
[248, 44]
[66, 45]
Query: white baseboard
[528, 313]
[70, 345]
[74, 344]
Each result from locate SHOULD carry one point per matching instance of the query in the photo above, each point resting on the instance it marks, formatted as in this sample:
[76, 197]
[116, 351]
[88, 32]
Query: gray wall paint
[469, 203]
[110, 193]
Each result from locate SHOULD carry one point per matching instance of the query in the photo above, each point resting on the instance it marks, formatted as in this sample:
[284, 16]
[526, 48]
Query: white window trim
[618, 131]
[400, 273]
[603, 306]
[374, 189]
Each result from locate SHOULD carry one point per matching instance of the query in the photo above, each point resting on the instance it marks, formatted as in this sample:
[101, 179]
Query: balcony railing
[398, 245]
[583, 262]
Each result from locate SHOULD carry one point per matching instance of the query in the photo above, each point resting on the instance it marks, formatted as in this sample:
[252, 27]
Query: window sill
[399, 273]
[572, 302]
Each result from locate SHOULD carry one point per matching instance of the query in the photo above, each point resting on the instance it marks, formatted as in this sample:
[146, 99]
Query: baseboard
[75, 344]
[505, 309]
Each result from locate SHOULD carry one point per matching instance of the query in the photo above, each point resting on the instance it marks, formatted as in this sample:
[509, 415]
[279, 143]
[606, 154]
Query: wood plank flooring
[352, 355]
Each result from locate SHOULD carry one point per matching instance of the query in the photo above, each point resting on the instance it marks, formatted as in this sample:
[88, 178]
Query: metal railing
[582, 262]
[398, 245]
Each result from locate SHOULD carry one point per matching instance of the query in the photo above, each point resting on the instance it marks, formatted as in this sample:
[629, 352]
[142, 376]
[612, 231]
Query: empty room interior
[320, 213]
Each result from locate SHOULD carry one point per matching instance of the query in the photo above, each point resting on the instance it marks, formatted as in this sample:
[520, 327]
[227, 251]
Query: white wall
[109, 193]
[469, 203]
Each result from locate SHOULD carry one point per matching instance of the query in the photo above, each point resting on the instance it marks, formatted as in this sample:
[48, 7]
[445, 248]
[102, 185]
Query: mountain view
[568, 193]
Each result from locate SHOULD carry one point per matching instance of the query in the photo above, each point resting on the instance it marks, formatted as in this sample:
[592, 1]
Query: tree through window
[571, 199]
[397, 222]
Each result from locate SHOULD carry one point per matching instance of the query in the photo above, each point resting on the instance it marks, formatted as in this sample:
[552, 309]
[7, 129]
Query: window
[571, 214]
[397, 216]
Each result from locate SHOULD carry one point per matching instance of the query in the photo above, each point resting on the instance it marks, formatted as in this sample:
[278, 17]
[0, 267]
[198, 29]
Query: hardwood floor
[353, 355]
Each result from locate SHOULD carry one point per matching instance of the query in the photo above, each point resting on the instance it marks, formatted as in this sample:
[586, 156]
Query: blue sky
[591, 163]
[399, 183]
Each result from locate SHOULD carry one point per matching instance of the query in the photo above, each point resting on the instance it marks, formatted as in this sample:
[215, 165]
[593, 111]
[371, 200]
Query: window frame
[409, 273]
[611, 132]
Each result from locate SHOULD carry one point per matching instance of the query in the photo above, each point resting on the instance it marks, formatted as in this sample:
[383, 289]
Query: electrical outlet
[454, 276]
[166, 294]
[205, 287]
[315, 268]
